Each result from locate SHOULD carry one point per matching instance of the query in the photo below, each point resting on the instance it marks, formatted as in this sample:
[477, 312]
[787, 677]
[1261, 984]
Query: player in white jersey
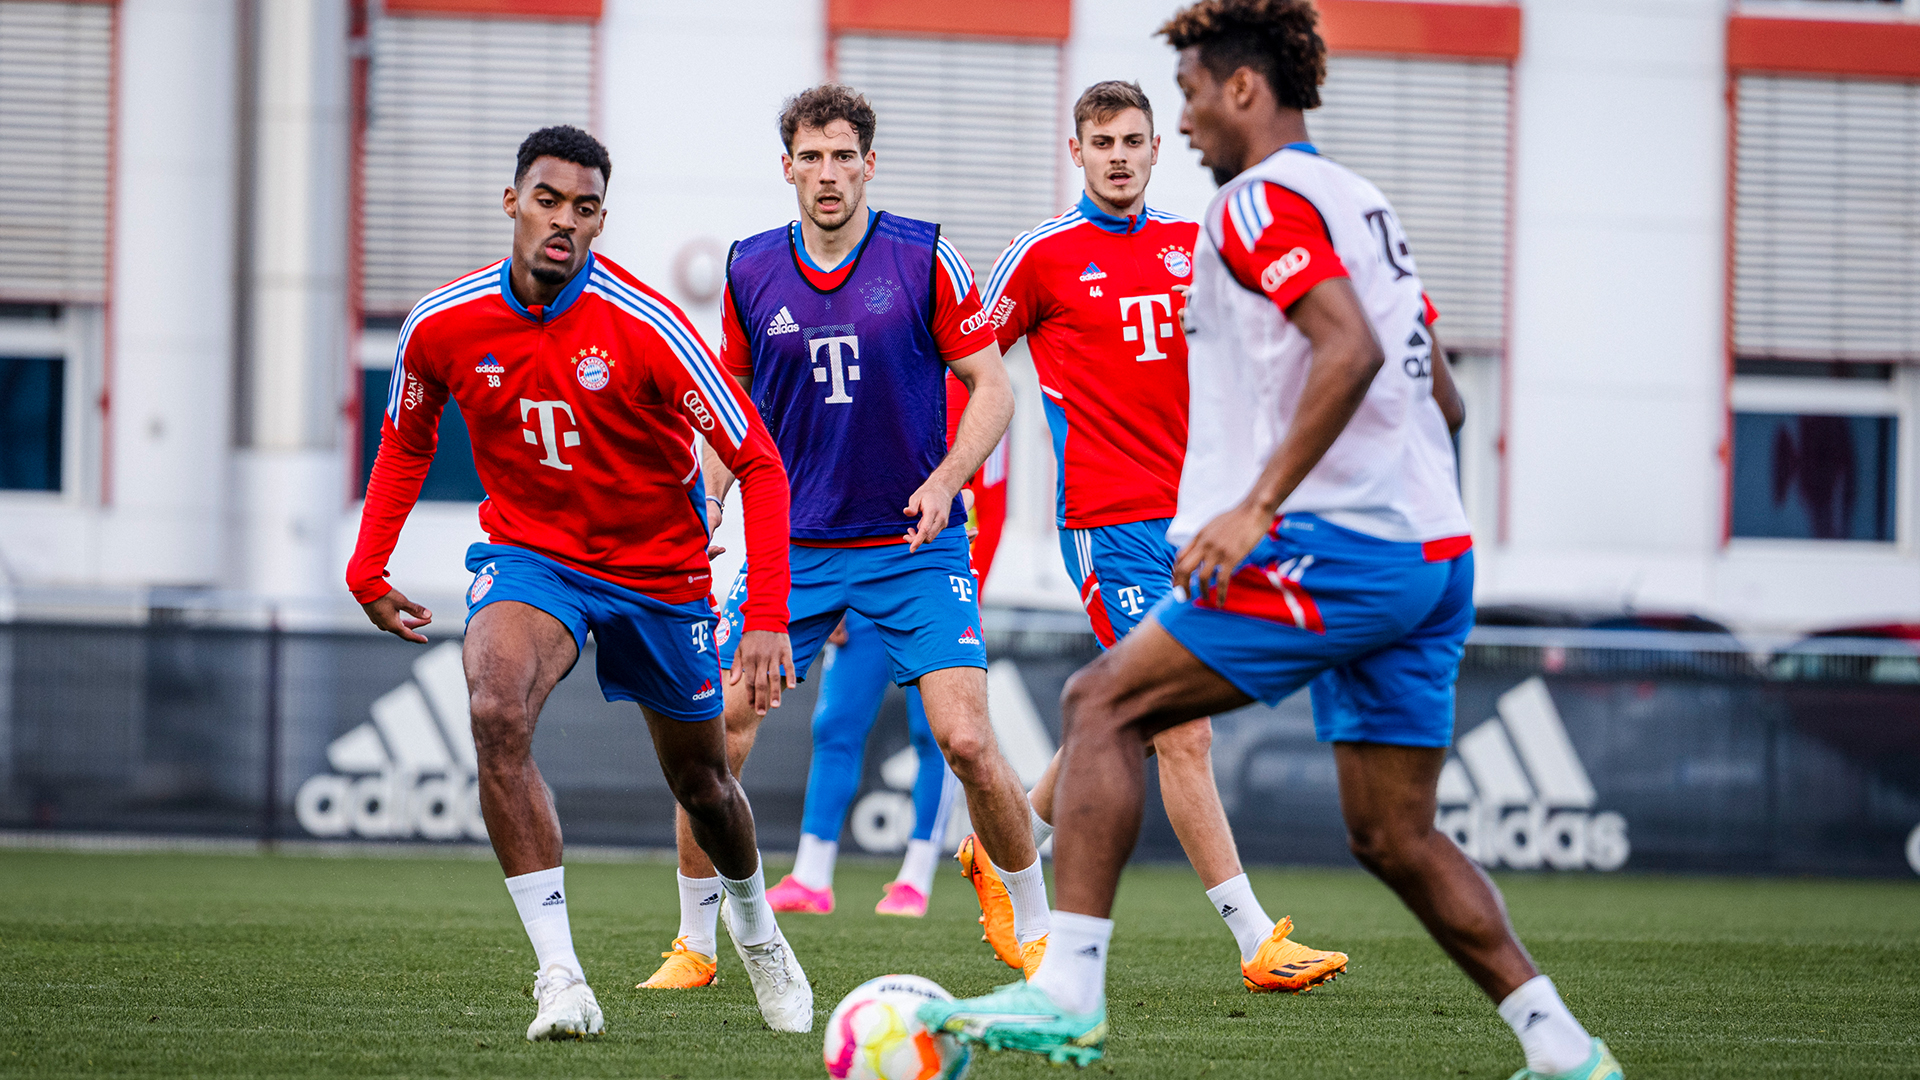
[1323, 543]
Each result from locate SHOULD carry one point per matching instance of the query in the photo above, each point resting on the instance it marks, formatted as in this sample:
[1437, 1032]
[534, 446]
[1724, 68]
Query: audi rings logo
[699, 410]
[1284, 267]
[410, 771]
[973, 322]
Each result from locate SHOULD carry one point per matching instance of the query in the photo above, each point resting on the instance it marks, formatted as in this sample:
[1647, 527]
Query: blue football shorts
[658, 654]
[925, 604]
[1122, 571]
[1376, 627]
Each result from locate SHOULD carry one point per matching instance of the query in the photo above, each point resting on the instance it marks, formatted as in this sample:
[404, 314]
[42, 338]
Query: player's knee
[1088, 698]
[706, 794]
[970, 751]
[502, 728]
[1187, 743]
[1387, 850]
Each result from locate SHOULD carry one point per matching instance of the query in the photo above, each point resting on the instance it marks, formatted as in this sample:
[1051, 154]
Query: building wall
[1610, 489]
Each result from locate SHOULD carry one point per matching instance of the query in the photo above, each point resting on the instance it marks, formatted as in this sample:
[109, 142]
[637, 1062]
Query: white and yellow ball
[873, 1034]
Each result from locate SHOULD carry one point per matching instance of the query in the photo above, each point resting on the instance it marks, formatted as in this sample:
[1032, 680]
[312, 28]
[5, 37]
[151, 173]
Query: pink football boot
[790, 895]
[902, 899]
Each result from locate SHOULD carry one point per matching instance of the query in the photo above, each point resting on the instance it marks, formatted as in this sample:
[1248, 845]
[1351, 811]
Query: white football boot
[567, 1007]
[786, 998]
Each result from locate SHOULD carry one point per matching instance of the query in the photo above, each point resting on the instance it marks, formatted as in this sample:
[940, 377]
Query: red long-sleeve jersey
[582, 416]
[1098, 299]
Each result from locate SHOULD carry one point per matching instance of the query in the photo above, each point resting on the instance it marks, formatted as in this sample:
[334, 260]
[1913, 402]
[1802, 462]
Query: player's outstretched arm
[989, 410]
[398, 616]
[1346, 356]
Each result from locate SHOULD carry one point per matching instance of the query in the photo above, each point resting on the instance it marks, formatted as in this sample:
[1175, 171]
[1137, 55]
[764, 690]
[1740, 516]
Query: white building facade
[1675, 247]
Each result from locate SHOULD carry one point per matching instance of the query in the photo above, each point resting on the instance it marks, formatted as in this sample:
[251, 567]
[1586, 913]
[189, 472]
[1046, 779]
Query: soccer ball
[873, 1034]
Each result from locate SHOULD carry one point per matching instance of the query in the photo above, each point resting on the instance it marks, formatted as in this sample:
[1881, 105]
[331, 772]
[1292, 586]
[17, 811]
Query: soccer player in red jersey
[1097, 292]
[1323, 543]
[584, 391]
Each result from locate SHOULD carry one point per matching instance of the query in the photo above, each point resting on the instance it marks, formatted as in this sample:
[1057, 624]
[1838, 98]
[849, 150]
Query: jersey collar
[800, 245]
[575, 286]
[1119, 225]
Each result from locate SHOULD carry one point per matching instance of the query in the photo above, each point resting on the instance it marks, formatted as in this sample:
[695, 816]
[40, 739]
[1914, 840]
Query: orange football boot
[684, 969]
[1031, 953]
[1286, 965]
[996, 907]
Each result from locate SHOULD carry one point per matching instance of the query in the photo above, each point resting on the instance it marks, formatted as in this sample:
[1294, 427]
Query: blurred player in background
[844, 325]
[851, 691]
[1323, 542]
[1097, 293]
[583, 390]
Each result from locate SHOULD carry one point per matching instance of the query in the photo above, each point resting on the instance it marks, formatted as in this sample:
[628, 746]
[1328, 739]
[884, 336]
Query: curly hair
[822, 105]
[1103, 101]
[566, 142]
[1280, 39]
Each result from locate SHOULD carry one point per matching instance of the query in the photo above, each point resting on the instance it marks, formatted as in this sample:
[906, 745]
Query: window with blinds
[946, 105]
[56, 71]
[449, 101]
[1826, 220]
[1432, 134]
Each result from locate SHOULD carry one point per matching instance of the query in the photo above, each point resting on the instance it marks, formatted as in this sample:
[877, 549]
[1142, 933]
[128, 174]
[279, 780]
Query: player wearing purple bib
[842, 327]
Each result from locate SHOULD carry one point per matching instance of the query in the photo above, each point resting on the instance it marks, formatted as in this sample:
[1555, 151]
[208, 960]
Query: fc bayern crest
[1177, 263]
[481, 585]
[722, 632]
[593, 372]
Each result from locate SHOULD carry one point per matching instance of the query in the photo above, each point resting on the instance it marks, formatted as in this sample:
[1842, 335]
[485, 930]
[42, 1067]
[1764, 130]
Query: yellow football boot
[996, 907]
[684, 969]
[1031, 953]
[1286, 965]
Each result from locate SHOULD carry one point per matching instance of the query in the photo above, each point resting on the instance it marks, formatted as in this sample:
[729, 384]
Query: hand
[1185, 299]
[760, 658]
[1219, 548]
[931, 504]
[716, 511]
[391, 613]
[967, 499]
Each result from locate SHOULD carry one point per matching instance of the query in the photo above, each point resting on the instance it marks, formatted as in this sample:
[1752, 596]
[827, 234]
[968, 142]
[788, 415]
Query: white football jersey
[1391, 473]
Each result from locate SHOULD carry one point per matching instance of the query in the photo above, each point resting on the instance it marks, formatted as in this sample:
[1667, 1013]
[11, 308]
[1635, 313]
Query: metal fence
[1590, 750]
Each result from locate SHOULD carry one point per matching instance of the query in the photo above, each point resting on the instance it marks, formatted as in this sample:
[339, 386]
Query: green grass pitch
[224, 965]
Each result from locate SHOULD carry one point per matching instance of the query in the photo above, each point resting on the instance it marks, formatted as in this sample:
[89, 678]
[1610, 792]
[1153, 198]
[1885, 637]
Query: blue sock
[850, 695]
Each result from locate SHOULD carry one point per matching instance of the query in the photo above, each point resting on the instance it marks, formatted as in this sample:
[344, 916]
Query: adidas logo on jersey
[969, 638]
[711, 900]
[783, 324]
[490, 366]
[1092, 273]
[556, 900]
[706, 691]
[1514, 792]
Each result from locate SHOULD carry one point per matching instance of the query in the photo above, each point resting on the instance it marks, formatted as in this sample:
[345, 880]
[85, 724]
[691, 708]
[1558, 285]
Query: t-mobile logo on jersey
[835, 369]
[1133, 598]
[1151, 329]
[702, 633]
[961, 585]
[548, 437]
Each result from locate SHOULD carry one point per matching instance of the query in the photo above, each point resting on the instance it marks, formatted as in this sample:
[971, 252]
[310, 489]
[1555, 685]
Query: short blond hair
[1103, 101]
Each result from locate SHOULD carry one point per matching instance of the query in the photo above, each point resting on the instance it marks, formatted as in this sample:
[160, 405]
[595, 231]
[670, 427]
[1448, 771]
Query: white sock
[1074, 972]
[752, 916]
[700, 913]
[1553, 1040]
[918, 866]
[813, 863]
[541, 898]
[1042, 832]
[1234, 900]
[1028, 891]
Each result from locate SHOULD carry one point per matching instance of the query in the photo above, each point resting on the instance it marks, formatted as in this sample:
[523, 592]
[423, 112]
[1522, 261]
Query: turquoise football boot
[1020, 1016]
[1600, 1065]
